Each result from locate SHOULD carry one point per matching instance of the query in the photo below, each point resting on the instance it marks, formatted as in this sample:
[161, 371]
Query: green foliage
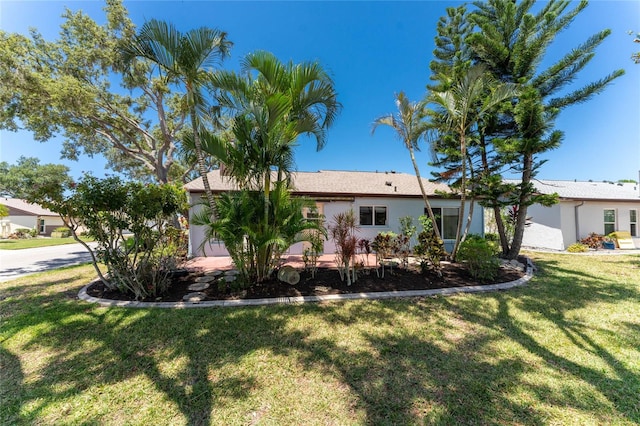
[270, 104]
[24, 233]
[4, 210]
[481, 258]
[67, 87]
[430, 248]
[384, 244]
[61, 232]
[509, 40]
[256, 245]
[578, 248]
[410, 128]
[311, 254]
[109, 208]
[17, 180]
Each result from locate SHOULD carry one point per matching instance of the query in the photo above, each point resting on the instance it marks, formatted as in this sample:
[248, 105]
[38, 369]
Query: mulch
[326, 281]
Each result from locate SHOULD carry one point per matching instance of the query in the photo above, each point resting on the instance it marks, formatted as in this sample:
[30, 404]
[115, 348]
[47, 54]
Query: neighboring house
[583, 208]
[26, 215]
[378, 199]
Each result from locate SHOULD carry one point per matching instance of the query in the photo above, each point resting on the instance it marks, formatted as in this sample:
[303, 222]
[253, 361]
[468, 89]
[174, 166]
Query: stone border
[82, 295]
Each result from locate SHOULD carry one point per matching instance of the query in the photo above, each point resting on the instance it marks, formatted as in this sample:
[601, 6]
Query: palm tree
[460, 109]
[186, 58]
[272, 104]
[410, 127]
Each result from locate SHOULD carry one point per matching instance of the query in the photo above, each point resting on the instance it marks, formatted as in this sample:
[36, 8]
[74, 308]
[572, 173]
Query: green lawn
[564, 349]
[37, 242]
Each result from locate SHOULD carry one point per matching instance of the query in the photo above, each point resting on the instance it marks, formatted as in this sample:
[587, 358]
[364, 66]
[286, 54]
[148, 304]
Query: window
[633, 222]
[447, 219]
[373, 215]
[609, 221]
[42, 226]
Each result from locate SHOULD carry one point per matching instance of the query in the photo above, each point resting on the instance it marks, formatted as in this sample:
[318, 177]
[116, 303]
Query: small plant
[402, 248]
[480, 257]
[343, 230]
[430, 248]
[383, 244]
[577, 248]
[311, 254]
[364, 248]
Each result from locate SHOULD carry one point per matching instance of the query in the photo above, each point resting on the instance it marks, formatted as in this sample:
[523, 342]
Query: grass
[564, 349]
[36, 242]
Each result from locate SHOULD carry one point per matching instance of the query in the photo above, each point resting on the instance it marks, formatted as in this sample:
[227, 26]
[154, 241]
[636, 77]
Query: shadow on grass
[418, 360]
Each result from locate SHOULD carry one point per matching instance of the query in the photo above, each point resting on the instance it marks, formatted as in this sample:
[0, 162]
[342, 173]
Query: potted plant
[608, 242]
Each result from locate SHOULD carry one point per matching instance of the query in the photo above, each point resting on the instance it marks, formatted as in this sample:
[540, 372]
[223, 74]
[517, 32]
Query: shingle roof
[338, 183]
[28, 208]
[589, 190]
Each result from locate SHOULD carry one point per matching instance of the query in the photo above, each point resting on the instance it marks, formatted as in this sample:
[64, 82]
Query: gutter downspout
[577, 219]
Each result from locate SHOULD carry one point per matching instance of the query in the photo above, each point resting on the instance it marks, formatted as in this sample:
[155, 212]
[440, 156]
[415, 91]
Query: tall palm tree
[186, 58]
[410, 127]
[460, 109]
[272, 104]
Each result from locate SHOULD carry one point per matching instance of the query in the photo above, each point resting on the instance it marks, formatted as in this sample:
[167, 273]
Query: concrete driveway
[18, 263]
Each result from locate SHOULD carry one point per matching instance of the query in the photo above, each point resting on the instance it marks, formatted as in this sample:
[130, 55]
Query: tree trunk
[436, 228]
[521, 219]
[463, 196]
[502, 233]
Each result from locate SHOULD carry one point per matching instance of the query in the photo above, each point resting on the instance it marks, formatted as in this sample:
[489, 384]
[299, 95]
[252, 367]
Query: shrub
[383, 244]
[139, 265]
[25, 233]
[257, 230]
[577, 248]
[61, 232]
[480, 257]
[430, 248]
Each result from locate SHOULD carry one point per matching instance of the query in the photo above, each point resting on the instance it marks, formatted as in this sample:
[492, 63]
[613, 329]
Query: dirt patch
[326, 281]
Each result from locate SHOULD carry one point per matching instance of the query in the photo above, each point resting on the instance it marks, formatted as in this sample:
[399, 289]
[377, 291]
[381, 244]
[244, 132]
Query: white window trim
[373, 215]
[614, 223]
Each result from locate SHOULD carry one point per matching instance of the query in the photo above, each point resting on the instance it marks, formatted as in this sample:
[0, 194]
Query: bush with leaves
[480, 257]
[384, 244]
[24, 233]
[255, 242]
[131, 224]
[430, 249]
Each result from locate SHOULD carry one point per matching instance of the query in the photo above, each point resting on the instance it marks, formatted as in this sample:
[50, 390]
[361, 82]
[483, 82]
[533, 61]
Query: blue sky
[373, 50]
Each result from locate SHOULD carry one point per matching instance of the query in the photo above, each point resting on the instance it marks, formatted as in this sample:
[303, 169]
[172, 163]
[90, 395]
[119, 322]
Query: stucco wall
[555, 227]
[396, 208]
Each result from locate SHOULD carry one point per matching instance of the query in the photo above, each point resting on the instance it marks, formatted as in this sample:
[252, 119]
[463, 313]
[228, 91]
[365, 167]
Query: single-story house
[583, 208]
[378, 199]
[27, 215]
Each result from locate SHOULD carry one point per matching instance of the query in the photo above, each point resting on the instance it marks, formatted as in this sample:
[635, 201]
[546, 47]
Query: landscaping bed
[326, 281]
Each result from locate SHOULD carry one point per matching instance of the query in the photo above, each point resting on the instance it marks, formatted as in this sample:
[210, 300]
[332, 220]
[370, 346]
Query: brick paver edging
[82, 295]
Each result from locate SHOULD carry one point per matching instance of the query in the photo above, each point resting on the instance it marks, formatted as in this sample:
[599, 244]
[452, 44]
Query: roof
[592, 191]
[27, 209]
[338, 183]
